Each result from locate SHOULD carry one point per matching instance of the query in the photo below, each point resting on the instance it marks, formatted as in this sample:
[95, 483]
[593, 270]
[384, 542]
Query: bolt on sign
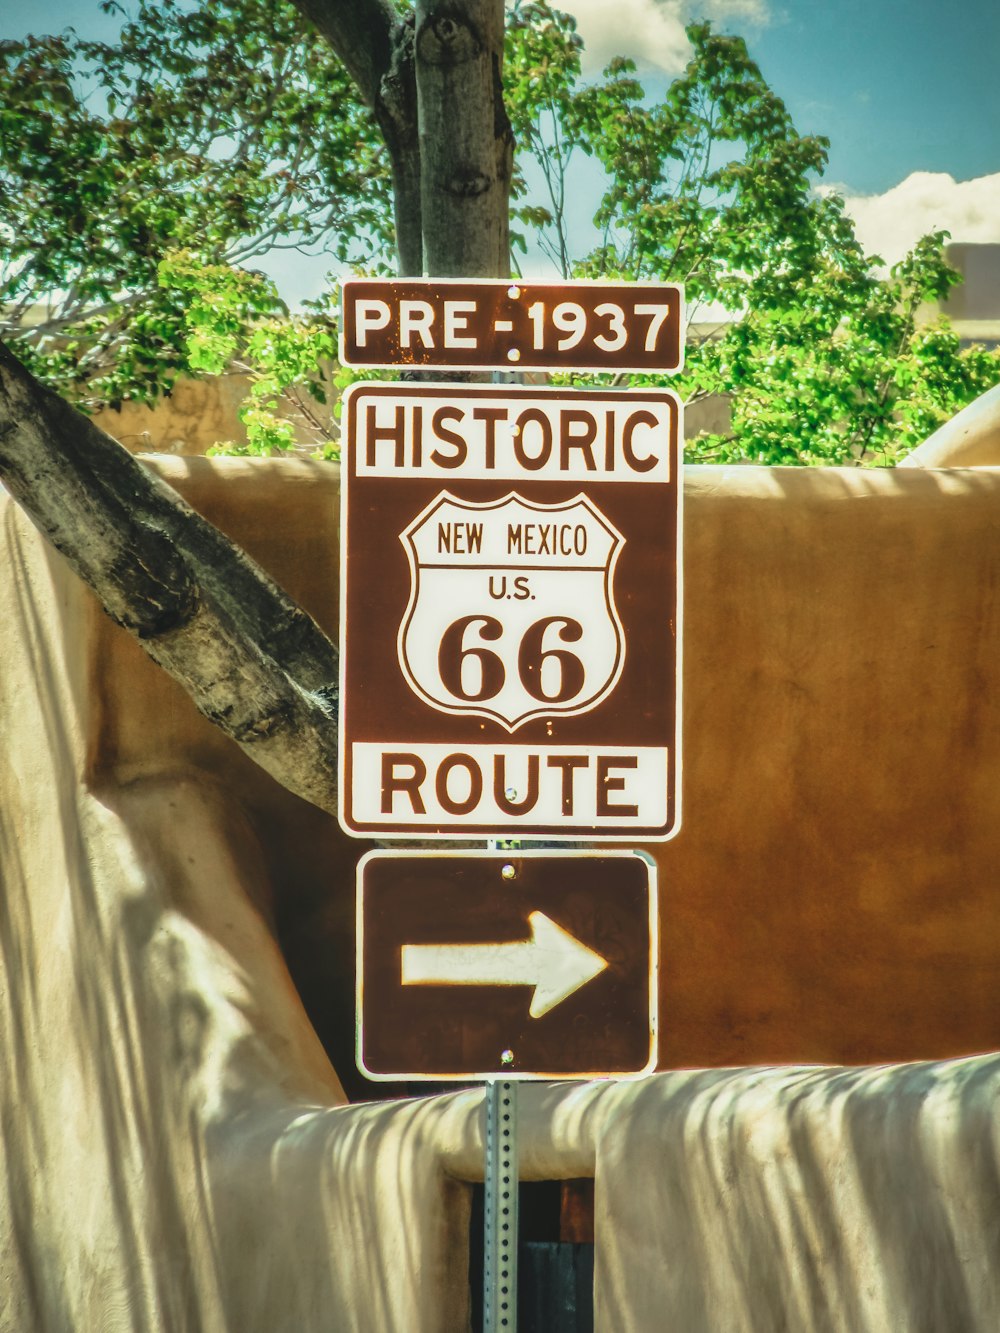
[510, 612]
[521, 964]
[498, 324]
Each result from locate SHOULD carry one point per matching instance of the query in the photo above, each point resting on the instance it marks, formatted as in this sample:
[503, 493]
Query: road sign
[494, 324]
[510, 612]
[519, 965]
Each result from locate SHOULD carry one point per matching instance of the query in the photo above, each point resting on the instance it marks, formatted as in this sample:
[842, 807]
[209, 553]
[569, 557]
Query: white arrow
[553, 961]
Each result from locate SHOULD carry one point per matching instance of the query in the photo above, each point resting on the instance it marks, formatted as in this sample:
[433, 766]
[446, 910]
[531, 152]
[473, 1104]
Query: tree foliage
[226, 129]
[139, 179]
[230, 327]
[821, 355]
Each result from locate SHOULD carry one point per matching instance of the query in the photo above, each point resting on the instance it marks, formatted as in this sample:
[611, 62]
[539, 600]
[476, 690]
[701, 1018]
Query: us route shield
[511, 614]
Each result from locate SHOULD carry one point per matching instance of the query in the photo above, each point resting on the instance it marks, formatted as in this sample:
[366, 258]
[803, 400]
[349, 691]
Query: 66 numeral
[549, 674]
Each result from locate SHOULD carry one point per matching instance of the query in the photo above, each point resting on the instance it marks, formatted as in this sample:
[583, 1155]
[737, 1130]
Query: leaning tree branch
[361, 33]
[252, 660]
[375, 42]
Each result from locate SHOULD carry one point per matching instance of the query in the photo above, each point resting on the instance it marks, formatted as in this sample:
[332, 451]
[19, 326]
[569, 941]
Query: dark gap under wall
[555, 1285]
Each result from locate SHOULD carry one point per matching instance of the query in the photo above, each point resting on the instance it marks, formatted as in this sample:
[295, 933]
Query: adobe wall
[176, 1152]
[832, 893]
[196, 414]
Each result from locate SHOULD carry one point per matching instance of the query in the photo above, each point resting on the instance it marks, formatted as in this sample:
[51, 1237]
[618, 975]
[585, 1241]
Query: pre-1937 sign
[484, 324]
[510, 612]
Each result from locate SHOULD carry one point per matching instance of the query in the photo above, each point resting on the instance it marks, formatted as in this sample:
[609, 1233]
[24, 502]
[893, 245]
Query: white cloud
[652, 31]
[890, 224]
[757, 12]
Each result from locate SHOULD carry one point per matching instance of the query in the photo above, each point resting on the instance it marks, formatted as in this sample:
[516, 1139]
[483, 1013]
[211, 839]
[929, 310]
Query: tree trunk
[466, 145]
[433, 79]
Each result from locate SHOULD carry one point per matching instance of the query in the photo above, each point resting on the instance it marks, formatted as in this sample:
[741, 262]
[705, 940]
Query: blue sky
[897, 85]
[906, 90]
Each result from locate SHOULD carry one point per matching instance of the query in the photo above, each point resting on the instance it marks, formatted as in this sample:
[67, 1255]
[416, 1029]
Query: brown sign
[525, 964]
[509, 612]
[511, 325]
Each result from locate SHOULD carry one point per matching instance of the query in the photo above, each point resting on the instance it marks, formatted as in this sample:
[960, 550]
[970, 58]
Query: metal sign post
[500, 1211]
[500, 1200]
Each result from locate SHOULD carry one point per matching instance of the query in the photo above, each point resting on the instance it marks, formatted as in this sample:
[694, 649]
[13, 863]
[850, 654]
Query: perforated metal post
[500, 1237]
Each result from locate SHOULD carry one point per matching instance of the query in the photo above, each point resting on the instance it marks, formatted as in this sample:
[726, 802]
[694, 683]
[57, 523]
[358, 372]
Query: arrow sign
[453, 948]
[552, 960]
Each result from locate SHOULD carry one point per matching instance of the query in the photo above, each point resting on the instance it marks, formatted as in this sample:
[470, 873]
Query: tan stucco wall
[175, 1149]
[196, 414]
[832, 895]
[970, 439]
